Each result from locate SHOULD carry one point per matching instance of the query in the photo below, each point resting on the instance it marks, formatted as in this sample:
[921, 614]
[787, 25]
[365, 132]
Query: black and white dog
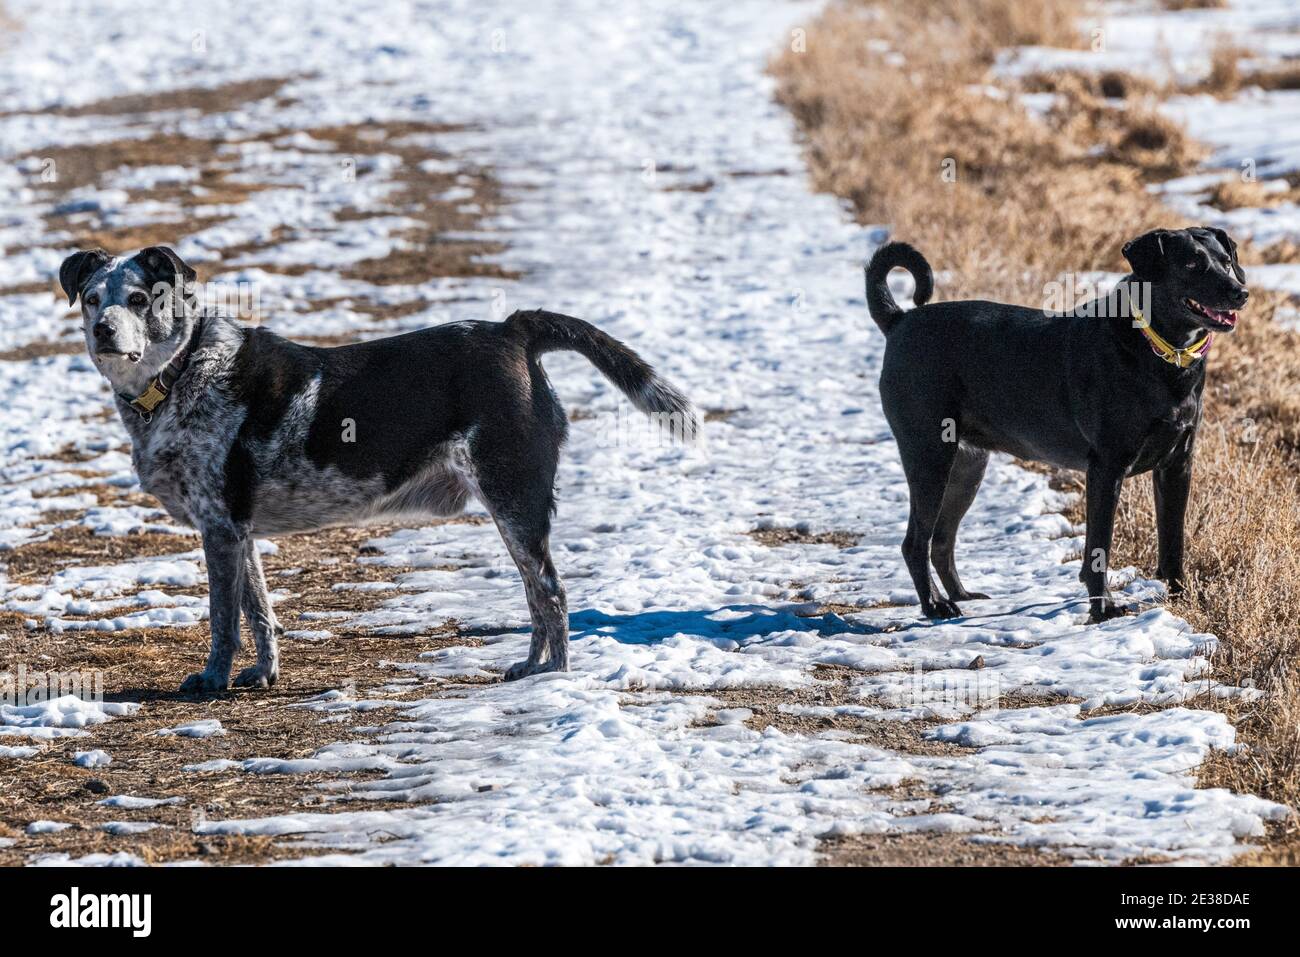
[1112, 388]
[241, 433]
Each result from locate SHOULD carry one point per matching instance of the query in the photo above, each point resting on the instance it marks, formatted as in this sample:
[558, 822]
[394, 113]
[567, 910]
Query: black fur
[79, 267]
[880, 301]
[1081, 390]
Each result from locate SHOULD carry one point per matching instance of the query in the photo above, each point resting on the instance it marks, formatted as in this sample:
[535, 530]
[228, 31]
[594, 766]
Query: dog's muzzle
[1223, 318]
[106, 345]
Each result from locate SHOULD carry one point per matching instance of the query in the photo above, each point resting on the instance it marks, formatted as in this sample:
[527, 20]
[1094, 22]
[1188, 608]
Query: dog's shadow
[737, 623]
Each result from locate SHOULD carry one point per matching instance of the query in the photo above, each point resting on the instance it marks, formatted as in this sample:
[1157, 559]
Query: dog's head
[137, 312]
[1195, 278]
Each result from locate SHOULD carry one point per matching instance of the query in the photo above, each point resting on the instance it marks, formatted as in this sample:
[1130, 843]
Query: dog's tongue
[1224, 316]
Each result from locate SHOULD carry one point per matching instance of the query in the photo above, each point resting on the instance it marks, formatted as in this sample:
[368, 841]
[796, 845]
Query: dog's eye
[137, 300]
[91, 300]
[1194, 265]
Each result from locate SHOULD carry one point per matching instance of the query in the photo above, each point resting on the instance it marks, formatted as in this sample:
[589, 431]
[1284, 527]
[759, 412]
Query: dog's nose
[102, 331]
[1241, 296]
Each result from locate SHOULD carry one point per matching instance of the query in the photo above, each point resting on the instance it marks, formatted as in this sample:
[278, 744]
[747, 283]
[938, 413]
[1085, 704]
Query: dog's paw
[970, 596]
[525, 669]
[256, 676]
[1105, 610]
[940, 608]
[204, 682]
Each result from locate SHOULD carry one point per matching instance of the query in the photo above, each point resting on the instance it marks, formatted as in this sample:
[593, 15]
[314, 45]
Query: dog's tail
[879, 299]
[551, 332]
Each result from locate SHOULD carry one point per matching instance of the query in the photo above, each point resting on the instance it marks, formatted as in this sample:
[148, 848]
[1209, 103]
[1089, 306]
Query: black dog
[1112, 388]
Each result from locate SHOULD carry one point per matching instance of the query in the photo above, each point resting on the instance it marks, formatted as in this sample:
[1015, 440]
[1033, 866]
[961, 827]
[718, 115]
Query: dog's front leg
[1104, 482]
[1172, 483]
[261, 620]
[223, 549]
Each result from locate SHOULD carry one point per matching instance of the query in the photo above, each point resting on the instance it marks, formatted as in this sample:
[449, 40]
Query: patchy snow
[207, 728]
[747, 293]
[131, 802]
[62, 717]
[92, 759]
[1244, 135]
[118, 859]
[123, 828]
[1249, 133]
[16, 753]
[47, 827]
[1146, 38]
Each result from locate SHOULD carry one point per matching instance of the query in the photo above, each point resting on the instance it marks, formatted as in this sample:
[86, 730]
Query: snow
[131, 802]
[61, 717]
[123, 828]
[748, 295]
[92, 759]
[207, 728]
[46, 827]
[118, 859]
[16, 753]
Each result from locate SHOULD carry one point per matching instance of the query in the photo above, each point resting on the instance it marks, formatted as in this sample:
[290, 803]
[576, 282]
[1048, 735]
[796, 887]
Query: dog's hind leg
[927, 467]
[223, 550]
[261, 621]
[518, 489]
[547, 605]
[963, 482]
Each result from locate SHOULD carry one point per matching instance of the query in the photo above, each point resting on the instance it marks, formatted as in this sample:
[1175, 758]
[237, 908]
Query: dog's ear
[79, 267]
[161, 264]
[1231, 249]
[1146, 254]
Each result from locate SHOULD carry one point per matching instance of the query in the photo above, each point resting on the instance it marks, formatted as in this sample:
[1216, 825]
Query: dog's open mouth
[1219, 318]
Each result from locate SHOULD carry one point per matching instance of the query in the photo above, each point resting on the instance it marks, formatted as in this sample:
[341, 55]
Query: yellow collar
[1161, 347]
[162, 384]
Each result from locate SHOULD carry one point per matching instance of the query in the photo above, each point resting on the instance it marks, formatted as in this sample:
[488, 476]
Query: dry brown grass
[1193, 4]
[1227, 78]
[884, 136]
[1033, 199]
[1237, 194]
[987, 26]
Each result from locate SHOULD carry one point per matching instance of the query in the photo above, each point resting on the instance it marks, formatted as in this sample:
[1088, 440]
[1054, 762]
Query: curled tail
[551, 332]
[879, 299]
